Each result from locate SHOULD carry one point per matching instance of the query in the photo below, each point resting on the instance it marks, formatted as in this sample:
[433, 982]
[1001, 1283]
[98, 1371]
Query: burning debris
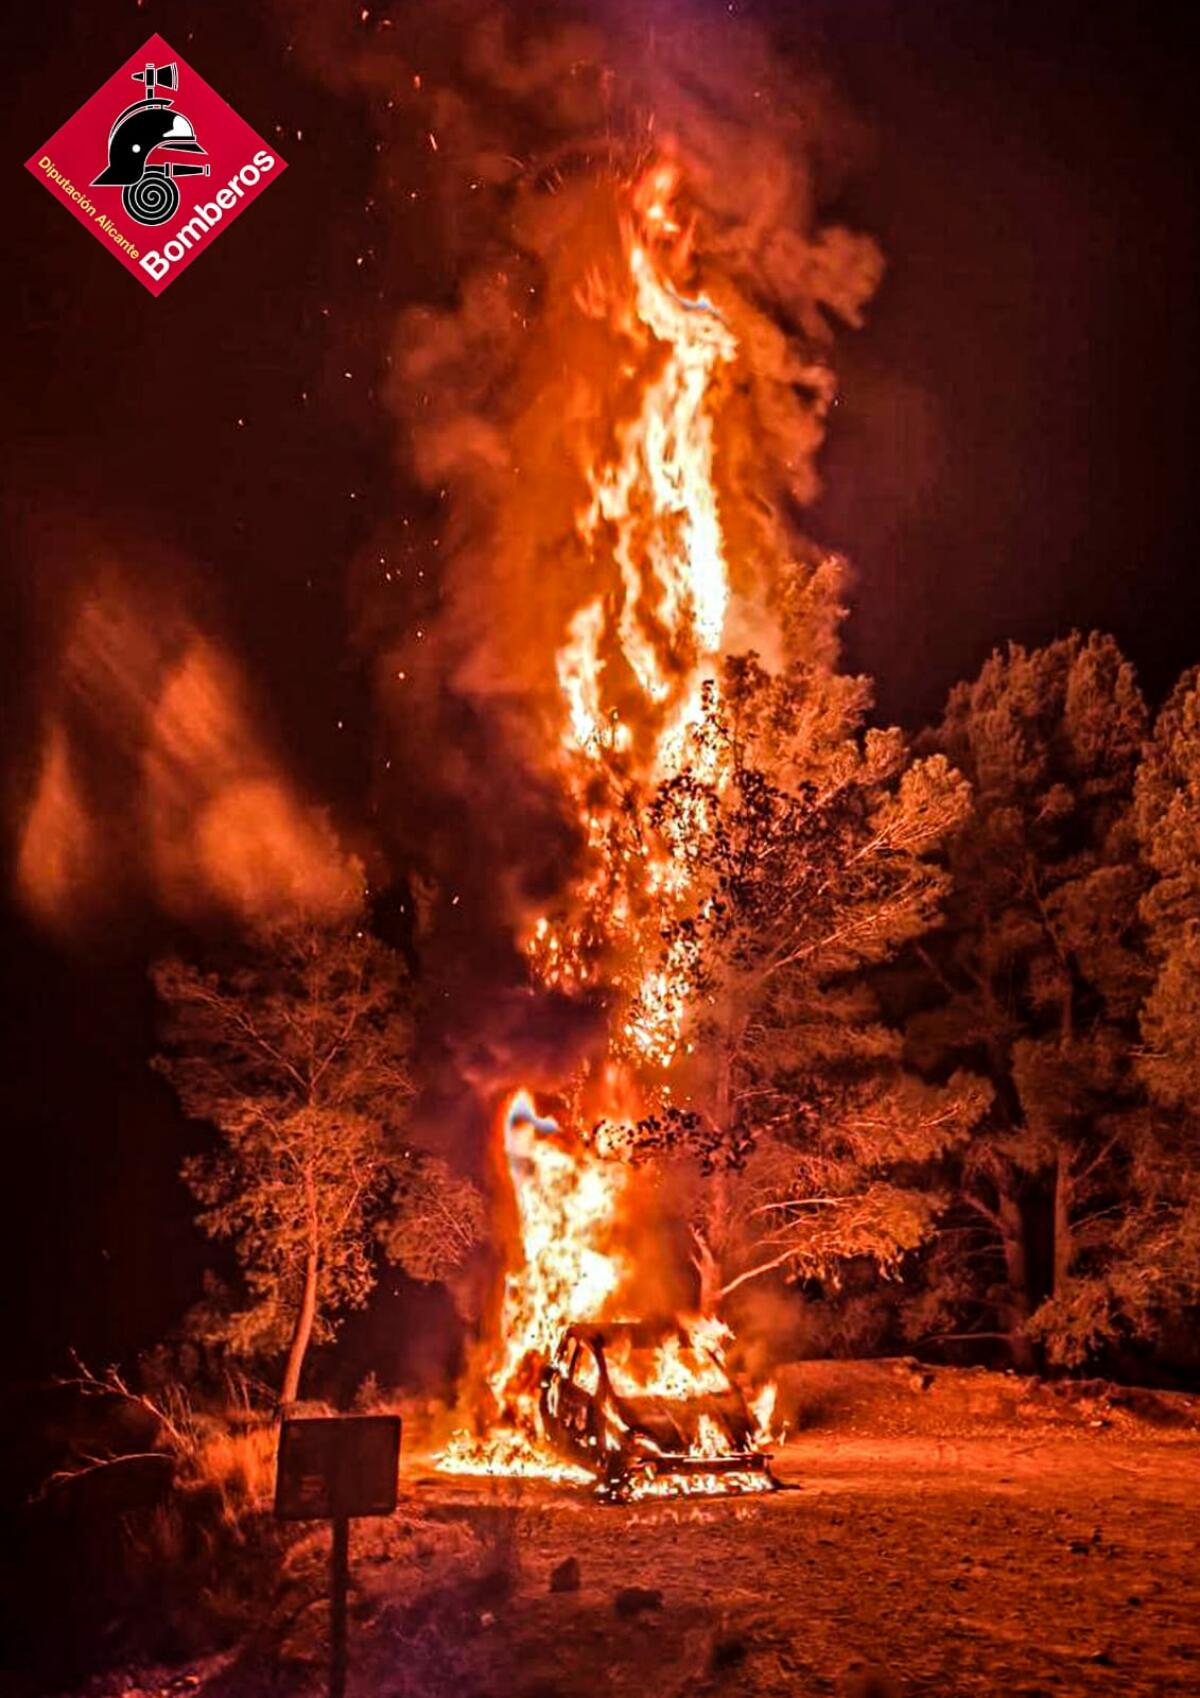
[649, 1407]
[641, 1408]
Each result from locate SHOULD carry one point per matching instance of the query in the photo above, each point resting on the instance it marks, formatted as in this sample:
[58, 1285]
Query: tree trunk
[302, 1333]
[1016, 1267]
[708, 1270]
[1063, 1247]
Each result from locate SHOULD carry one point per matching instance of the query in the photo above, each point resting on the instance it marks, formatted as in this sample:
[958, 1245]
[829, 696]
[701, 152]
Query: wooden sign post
[331, 1468]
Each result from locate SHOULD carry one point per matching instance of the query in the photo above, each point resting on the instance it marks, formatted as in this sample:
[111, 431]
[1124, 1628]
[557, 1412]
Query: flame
[698, 1485]
[569, 1269]
[637, 672]
[566, 1205]
[762, 1407]
[638, 667]
[679, 1370]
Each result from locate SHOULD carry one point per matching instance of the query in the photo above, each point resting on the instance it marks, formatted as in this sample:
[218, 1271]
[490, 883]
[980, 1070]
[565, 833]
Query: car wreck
[650, 1409]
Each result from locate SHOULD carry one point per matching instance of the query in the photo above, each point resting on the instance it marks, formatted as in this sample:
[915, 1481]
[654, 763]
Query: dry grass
[239, 1462]
[225, 1450]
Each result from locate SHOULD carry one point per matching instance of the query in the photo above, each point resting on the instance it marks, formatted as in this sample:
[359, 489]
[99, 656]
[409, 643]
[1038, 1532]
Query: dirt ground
[942, 1531]
[1042, 1561]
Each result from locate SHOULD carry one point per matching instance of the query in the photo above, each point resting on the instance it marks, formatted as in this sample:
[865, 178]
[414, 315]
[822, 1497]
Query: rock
[494, 1587]
[565, 1577]
[632, 1600]
[728, 1652]
[863, 1679]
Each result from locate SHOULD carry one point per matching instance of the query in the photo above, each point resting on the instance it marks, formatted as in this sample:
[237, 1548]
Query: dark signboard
[337, 1465]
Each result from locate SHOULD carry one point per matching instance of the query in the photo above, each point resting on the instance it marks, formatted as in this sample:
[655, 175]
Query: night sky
[1011, 457]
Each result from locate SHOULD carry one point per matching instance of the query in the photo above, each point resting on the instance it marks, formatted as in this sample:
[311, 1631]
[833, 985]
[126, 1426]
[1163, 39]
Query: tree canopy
[298, 1054]
[811, 853]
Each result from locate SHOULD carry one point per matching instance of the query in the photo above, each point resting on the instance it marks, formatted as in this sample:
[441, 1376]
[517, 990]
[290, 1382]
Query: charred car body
[607, 1403]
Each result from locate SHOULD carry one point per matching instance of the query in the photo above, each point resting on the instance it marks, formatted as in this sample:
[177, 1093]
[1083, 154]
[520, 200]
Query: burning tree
[299, 1056]
[811, 854]
[625, 481]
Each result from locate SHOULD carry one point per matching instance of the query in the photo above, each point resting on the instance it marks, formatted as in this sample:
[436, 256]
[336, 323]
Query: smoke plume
[512, 140]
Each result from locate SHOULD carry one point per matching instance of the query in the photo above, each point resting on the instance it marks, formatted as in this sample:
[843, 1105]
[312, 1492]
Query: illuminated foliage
[812, 855]
[1168, 823]
[298, 1056]
[1036, 980]
[435, 1220]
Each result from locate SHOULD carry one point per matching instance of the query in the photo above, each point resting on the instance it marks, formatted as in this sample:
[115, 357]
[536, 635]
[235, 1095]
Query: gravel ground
[1039, 1563]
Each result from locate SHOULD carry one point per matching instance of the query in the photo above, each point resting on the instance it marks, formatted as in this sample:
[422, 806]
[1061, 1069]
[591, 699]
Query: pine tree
[1035, 980]
[1168, 823]
[1162, 1274]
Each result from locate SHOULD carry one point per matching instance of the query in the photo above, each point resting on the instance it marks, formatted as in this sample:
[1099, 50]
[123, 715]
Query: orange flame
[636, 671]
[636, 667]
[566, 1205]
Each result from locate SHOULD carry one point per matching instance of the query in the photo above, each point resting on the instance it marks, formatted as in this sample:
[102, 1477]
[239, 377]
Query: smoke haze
[514, 379]
[153, 779]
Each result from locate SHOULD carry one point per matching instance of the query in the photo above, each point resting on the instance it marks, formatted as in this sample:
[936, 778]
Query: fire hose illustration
[149, 193]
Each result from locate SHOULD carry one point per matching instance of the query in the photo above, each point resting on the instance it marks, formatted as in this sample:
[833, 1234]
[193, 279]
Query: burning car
[649, 1408]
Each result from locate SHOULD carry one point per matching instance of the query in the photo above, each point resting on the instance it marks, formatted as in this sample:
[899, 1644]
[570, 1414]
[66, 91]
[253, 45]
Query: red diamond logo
[156, 165]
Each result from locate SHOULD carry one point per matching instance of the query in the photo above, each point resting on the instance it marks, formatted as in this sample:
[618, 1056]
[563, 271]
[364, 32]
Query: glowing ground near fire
[1031, 1561]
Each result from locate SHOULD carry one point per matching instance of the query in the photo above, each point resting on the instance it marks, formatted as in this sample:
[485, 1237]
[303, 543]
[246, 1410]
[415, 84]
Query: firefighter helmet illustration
[148, 191]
